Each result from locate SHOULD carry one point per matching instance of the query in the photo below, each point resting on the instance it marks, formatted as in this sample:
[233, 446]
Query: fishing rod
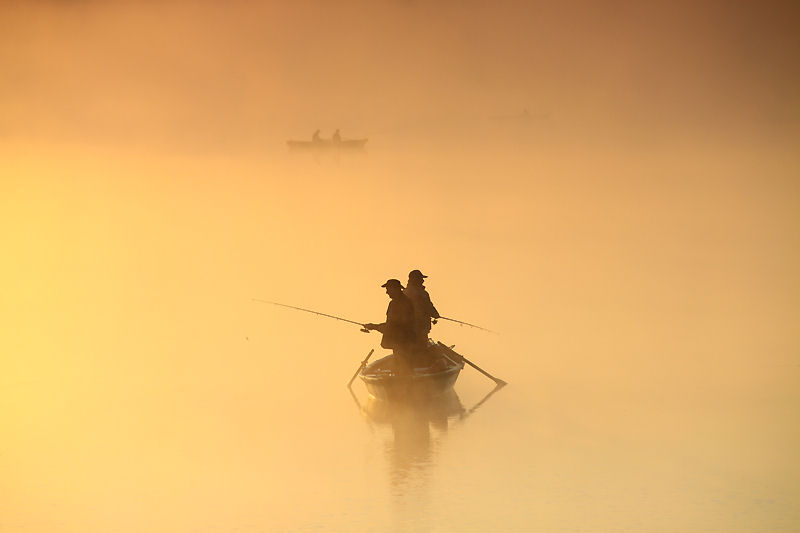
[363, 328]
[467, 324]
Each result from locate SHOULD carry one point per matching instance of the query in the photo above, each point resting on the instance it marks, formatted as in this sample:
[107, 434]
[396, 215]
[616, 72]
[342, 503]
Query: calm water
[646, 299]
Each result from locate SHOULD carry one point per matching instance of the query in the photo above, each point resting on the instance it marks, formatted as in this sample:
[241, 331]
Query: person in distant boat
[337, 138]
[315, 138]
[424, 310]
[398, 330]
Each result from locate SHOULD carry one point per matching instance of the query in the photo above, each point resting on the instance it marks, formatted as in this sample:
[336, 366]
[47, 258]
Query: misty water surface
[646, 319]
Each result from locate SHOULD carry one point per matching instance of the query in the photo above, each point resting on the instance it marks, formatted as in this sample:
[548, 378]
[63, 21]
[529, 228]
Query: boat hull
[385, 383]
[348, 144]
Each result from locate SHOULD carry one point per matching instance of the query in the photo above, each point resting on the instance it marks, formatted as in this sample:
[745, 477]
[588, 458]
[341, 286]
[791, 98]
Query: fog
[244, 74]
[611, 188]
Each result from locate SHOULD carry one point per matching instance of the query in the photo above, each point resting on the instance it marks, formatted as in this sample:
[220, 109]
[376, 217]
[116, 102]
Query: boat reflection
[413, 430]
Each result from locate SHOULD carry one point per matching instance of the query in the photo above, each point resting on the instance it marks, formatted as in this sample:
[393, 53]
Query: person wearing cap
[424, 310]
[398, 330]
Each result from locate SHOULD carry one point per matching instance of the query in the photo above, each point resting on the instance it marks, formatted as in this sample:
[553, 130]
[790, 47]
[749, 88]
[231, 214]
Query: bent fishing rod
[467, 324]
[363, 327]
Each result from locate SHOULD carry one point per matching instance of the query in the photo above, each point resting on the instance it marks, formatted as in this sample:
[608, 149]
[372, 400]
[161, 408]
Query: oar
[499, 382]
[360, 368]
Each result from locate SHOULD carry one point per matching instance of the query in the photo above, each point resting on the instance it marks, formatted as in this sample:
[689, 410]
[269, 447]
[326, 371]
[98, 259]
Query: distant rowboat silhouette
[326, 144]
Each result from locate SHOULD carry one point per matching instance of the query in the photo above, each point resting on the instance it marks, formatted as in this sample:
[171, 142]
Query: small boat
[435, 372]
[327, 144]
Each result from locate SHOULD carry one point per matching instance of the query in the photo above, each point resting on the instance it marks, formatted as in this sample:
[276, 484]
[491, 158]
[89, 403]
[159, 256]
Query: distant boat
[525, 116]
[438, 371]
[327, 144]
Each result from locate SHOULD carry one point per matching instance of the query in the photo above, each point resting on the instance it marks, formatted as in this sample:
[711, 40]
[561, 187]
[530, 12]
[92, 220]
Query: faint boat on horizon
[327, 144]
[436, 373]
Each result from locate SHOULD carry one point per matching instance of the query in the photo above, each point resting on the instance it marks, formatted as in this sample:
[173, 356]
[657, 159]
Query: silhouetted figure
[398, 330]
[424, 310]
[336, 137]
[315, 138]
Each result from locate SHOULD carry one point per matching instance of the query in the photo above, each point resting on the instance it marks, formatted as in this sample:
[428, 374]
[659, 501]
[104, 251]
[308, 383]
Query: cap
[416, 274]
[393, 282]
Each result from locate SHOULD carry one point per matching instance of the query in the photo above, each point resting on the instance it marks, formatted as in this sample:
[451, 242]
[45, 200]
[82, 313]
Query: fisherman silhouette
[336, 137]
[315, 138]
[398, 330]
[424, 310]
